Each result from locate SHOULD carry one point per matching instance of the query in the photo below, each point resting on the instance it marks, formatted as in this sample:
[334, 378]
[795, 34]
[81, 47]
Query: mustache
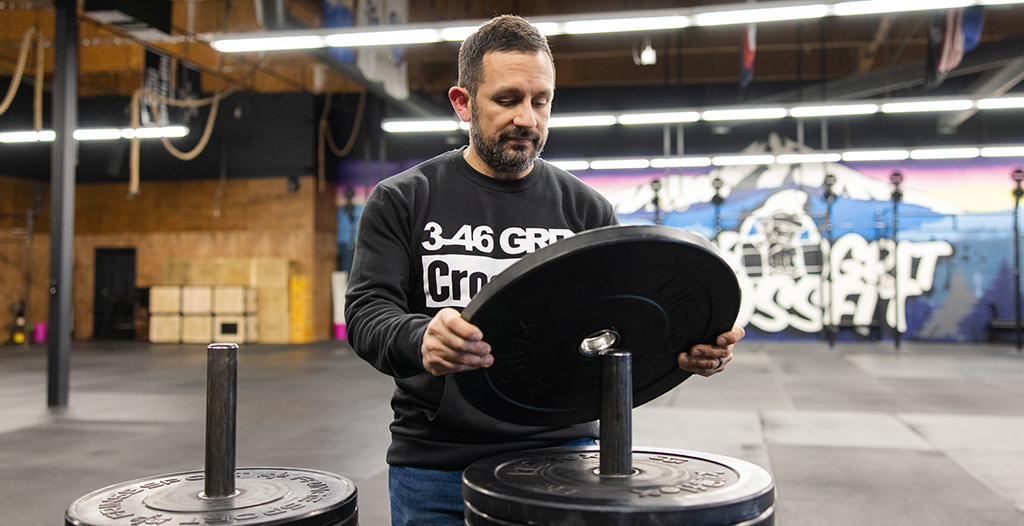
[517, 133]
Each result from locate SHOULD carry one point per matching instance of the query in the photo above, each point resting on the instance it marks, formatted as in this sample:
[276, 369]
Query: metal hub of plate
[263, 496]
[562, 486]
[659, 290]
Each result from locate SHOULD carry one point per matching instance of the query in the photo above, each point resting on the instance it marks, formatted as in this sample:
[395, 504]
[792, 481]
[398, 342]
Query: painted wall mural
[949, 273]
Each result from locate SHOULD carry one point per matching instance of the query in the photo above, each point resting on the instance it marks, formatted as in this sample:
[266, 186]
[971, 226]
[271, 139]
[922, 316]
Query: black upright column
[62, 199]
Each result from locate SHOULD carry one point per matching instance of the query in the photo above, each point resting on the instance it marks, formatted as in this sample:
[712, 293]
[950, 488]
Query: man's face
[511, 109]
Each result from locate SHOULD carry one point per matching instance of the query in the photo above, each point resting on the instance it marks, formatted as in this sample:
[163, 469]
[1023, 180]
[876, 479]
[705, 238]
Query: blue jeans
[425, 497]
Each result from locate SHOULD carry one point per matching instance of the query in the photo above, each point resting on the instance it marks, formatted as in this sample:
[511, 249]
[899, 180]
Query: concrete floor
[859, 434]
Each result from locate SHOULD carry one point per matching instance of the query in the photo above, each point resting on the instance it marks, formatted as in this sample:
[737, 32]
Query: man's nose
[525, 116]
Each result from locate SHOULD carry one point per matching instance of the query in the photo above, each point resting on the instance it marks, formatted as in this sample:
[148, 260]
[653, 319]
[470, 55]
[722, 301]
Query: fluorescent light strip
[618, 25]
[386, 38]
[876, 155]
[770, 14]
[734, 160]
[619, 164]
[1001, 103]
[871, 7]
[241, 45]
[609, 22]
[808, 158]
[408, 126]
[581, 120]
[927, 105]
[659, 118]
[571, 165]
[744, 114]
[1003, 151]
[945, 153]
[96, 134]
[833, 111]
[680, 162]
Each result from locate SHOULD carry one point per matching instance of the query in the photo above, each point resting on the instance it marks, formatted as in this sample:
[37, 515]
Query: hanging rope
[325, 136]
[37, 103]
[154, 99]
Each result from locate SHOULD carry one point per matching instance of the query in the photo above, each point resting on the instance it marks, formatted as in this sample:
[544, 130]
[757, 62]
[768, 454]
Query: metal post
[62, 199]
[30, 224]
[616, 414]
[221, 401]
[1018, 192]
[896, 178]
[826, 297]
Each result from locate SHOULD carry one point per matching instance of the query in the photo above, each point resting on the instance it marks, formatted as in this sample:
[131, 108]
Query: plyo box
[197, 328]
[165, 299]
[234, 299]
[301, 326]
[196, 300]
[274, 315]
[165, 328]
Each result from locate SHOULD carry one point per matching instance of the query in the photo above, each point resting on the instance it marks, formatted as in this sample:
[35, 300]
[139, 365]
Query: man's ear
[460, 101]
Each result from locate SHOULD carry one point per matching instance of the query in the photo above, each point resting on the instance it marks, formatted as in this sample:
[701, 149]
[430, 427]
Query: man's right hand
[452, 345]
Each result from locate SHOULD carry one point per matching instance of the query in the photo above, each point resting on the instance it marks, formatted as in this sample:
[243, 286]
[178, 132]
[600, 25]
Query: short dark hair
[503, 33]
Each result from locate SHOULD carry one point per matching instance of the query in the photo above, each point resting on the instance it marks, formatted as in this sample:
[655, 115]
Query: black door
[114, 312]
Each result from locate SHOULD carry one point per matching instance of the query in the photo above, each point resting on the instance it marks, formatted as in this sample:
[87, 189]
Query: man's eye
[506, 102]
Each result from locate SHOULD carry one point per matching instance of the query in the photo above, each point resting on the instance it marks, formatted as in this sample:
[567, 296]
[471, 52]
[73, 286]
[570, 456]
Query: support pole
[221, 402]
[1018, 177]
[896, 179]
[62, 199]
[616, 414]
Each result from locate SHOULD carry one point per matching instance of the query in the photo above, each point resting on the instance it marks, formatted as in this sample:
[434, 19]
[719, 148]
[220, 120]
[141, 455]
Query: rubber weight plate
[661, 289]
[264, 497]
[560, 486]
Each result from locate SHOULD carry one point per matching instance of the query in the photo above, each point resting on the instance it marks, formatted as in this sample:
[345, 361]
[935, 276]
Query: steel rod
[1016, 268]
[616, 414]
[221, 401]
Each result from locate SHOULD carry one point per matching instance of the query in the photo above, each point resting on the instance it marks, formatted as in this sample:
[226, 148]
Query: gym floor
[859, 434]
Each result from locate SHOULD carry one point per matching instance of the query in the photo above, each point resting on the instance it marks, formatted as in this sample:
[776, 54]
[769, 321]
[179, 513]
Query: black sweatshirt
[429, 238]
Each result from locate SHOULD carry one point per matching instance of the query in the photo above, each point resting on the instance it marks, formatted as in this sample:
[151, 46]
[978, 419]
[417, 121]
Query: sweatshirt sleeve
[379, 324]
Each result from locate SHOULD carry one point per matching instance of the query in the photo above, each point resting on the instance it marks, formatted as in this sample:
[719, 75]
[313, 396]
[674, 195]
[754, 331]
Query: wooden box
[204, 272]
[229, 329]
[165, 328]
[177, 273]
[234, 271]
[196, 300]
[234, 299]
[272, 272]
[197, 329]
[252, 328]
[301, 310]
[274, 315]
[165, 299]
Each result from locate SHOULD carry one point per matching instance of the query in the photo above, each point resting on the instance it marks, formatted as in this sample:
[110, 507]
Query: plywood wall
[17, 197]
[177, 221]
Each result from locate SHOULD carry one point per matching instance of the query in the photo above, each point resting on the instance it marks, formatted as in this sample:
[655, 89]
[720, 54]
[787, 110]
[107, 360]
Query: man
[430, 237]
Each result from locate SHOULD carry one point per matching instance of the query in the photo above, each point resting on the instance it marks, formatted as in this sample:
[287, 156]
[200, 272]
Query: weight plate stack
[263, 497]
[562, 486]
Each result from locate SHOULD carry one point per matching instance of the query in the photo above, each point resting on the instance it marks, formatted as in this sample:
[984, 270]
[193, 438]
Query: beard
[506, 157]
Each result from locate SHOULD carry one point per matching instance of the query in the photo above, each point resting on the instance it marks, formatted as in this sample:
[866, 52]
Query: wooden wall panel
[325, 262]
[174, 206]
[16, 199]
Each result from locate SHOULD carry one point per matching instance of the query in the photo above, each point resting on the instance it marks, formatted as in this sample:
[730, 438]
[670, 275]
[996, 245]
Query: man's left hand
[707, 360]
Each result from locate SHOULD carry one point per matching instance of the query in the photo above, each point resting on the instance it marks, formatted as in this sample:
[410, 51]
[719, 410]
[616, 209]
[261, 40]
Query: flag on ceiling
[749, 50]
[950, 35]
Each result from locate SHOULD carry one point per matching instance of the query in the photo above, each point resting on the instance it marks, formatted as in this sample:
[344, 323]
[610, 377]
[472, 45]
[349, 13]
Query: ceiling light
[808, 158]
[1003, 151]
[457, 34]
[97, 134]
[550, 28]
[927, 105]
[835, 110]
[27, 136]
[1006, 102]
[870, 7]
[733, 160]
[945, 153]
[680, 162]
[648, 57]
[659, 118]
[154, 133]
[876, 155]
[750, 113]
[619, 164]
[240, 45]
[770, 14]
[570, 165]
[581, 120]
[618, 25]
[393, 37]
[419, 126]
